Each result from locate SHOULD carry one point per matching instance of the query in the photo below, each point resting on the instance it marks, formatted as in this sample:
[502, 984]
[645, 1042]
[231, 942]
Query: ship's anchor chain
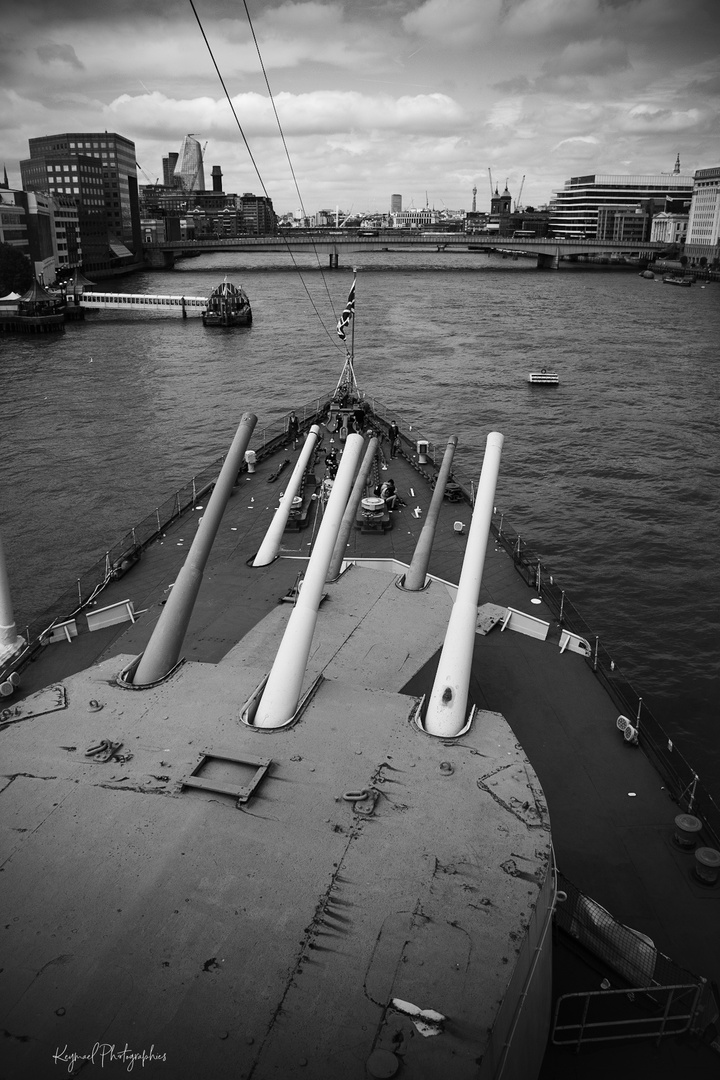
[363, 801]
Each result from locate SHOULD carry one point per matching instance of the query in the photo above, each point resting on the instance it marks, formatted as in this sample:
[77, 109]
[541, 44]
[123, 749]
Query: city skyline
[415, 98]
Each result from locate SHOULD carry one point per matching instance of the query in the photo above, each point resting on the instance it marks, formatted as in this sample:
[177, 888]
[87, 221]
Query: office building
[189, 172]
[44, 228]
[703, 235]
[396, 204]
[169, 165]
[257, 215]
[575, 210]
[100, 171]
[13, 220]
[67, 240]
[41, 229]
[623, 224]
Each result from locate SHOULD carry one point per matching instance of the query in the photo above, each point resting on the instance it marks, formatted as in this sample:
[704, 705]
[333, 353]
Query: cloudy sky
[419, 97]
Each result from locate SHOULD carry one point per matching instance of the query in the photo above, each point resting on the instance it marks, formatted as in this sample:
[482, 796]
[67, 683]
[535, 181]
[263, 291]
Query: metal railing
[656, 997]
[683, 782]
[595, 1016]
[127, 550]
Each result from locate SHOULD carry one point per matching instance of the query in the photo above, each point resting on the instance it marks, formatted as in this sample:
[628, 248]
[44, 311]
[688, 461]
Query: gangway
[182, 305]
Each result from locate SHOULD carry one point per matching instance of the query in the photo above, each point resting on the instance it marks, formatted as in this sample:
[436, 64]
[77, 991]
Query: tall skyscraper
[396, 204]
[189, 168]
[169, 164]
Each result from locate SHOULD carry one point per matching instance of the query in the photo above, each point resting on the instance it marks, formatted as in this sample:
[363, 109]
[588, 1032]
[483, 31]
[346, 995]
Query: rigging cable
[285, 147]
[255, 165]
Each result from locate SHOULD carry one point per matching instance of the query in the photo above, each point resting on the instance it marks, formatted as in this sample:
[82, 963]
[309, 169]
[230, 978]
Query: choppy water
[613, 476]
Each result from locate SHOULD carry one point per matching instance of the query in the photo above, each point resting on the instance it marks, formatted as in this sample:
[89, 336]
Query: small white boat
[544, 377]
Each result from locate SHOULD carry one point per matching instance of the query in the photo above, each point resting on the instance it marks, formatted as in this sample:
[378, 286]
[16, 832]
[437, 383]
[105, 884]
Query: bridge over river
[549, 251]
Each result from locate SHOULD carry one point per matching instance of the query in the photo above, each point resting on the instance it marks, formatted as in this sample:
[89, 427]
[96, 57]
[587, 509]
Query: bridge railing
[306, 238]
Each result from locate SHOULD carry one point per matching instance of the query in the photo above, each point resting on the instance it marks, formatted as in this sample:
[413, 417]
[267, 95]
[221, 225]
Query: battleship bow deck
[612, 819]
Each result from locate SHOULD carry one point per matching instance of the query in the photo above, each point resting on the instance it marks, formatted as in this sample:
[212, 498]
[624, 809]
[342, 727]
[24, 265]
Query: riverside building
[99, 170]
[703, 235]
[44, 228]
[669, 229]
[13, 220]
[602, 200]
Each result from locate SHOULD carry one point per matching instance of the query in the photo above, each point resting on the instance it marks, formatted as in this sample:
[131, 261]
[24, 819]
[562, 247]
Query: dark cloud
[710, 86]
[65, 54]
[518, 85]
[597, 57]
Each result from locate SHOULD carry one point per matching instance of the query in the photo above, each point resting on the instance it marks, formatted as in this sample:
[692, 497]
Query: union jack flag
[348, 312]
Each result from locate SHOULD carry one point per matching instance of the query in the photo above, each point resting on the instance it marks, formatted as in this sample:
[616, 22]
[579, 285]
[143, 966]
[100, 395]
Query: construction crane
[518, 204]
[146, 175]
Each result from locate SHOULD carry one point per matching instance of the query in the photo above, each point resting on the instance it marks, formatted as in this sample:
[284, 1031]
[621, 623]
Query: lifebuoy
[544, 370]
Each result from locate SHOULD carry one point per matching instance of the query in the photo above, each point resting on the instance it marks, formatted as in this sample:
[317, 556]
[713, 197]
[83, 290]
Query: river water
[612, 476]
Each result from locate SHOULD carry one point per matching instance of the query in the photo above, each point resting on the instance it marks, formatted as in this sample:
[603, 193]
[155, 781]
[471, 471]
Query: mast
[347, 382]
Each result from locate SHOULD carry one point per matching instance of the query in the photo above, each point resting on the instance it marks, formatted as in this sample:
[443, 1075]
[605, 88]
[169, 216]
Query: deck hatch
[226, 774]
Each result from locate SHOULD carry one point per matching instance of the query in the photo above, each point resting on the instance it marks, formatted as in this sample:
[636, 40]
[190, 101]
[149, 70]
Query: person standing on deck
[293, 429]
[394, 437]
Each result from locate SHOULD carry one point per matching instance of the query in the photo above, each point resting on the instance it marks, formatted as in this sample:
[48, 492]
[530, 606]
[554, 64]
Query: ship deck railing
[644, 995]
[683, 783]
[601, 1016]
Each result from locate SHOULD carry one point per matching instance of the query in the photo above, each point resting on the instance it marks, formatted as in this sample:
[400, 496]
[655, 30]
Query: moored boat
[544, 377]
[677, 279]
[228, 305]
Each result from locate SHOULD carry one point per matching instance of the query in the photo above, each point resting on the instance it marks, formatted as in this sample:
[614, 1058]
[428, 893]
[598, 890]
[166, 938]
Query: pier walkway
[184, 305]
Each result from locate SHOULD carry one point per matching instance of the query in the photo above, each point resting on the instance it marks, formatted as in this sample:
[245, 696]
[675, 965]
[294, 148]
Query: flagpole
[352, 335]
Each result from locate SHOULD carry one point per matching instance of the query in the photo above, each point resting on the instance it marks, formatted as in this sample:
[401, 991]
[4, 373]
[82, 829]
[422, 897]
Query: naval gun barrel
[447, 703]
[273, 537]
[351, 509]
[282, 691]
[415, 576]
[163, 648]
